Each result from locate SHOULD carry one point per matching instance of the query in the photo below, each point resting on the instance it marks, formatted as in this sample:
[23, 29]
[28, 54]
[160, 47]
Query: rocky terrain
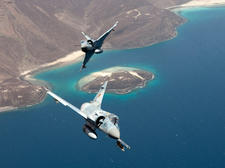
[18, 93]
[121, 80]
[35, 32]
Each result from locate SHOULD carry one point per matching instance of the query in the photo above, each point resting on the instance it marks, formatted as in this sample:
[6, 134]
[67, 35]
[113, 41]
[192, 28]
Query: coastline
[197, 4]
[7, 108]
[27, 75]
[71, 58]
[105, 72]
[76, 56]
[116, 76]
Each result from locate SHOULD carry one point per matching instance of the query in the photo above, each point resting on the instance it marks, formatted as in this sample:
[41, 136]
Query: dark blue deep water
[177, 121]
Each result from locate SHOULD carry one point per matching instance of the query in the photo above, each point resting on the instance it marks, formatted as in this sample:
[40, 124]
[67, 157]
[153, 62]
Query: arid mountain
[33, 32]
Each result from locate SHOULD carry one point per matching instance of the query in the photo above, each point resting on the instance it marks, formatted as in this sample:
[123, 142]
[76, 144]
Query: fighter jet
[96, 118]
[91, 46]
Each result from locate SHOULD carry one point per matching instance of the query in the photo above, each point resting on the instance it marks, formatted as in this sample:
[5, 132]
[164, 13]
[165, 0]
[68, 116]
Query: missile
[121, 144]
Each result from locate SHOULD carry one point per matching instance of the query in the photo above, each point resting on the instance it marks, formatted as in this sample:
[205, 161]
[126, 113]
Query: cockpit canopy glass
[114, 119]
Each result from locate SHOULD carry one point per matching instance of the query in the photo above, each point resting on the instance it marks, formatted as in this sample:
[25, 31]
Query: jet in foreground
[96, 118]
[91, 46]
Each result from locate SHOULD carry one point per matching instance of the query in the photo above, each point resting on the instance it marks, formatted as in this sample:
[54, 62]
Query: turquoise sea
[177, 121]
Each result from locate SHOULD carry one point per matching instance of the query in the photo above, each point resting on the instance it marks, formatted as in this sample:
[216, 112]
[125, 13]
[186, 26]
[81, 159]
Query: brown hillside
[33, 32]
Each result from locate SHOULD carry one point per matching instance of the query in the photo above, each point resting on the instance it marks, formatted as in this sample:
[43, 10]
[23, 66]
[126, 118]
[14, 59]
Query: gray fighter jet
[96, 118]
[91, 46]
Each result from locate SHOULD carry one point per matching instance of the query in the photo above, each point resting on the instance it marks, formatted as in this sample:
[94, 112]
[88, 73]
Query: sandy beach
[71, 58]
[200, 3]
[77, 56]
[105, 72]
[7, 108]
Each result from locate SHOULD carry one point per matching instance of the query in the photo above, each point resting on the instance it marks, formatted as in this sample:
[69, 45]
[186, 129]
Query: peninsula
[121, 80]
[36, 35]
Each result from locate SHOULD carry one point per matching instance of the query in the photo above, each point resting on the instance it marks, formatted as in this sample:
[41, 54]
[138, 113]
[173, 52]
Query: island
[121, 80]
[28, 45]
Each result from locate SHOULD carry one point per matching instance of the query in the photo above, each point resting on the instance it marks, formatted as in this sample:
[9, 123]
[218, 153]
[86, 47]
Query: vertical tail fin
[99, 97]
[86, 36]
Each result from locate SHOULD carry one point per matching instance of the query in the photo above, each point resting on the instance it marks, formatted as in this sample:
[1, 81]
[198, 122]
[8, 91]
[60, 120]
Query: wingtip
[116, 23]
[122, 143]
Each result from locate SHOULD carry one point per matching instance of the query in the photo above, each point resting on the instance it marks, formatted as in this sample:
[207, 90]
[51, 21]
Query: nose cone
[114, 133]
[83, 45]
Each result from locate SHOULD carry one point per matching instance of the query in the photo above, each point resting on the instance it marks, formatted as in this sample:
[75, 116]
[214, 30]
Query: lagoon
[178, 120]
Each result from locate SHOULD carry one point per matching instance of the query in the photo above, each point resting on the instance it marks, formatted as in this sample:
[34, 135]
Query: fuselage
[98, 118]
[89, 45]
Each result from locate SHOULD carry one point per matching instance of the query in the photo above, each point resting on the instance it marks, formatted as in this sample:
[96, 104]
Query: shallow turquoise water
[176, 121]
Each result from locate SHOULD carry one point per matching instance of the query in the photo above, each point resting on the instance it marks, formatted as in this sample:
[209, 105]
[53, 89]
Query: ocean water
[177, 121]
